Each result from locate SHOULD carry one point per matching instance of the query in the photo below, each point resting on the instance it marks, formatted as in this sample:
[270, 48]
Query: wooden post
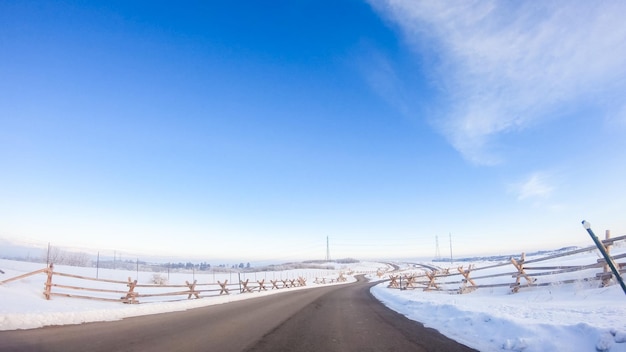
[192, 289]
[466, 275]
[262, 285]
[48, 285]
[223, 288]
[393, 283]
[245, 287]
[302, 281]
[410, 281]
[431, 277]
[131, 296]
[341, 278]
[520, 273]
[606, 277]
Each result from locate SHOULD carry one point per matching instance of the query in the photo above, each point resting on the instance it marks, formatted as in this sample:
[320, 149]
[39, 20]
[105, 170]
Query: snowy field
[23, 305]
[561, 317]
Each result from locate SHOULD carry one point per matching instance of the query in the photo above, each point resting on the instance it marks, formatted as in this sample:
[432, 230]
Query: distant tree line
[202, 266]
[56, 255]
[188, 266]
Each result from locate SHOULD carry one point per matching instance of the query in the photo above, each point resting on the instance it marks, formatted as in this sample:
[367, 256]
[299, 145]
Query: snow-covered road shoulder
[541, 319]
[23, 305]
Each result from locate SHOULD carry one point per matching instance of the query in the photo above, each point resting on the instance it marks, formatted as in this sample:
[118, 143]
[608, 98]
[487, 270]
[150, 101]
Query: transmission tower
[437, 252]
[451, 261]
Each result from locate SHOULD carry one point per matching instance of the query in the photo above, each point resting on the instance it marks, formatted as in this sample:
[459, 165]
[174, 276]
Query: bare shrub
[158, 279]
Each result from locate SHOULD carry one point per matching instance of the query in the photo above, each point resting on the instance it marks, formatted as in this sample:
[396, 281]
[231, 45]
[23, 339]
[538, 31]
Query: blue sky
[254, 131]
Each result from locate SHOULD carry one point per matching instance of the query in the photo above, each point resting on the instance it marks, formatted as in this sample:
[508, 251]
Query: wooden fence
[464, 279]
[133, 291]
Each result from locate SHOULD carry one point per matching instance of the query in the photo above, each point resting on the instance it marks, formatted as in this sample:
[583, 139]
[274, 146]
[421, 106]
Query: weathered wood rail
[132, 293]
[461, 280]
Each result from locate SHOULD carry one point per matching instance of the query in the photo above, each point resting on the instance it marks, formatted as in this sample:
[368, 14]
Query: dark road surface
[334, 318]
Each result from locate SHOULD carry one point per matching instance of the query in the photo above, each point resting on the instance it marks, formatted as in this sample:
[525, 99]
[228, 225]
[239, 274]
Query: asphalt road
[333, 318]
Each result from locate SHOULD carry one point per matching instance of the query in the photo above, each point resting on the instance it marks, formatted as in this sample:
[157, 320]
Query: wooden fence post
[410, 281]
[520, 273]
[223, 288]
[393, 283]
[131, 296]
[192, 289]
[341, 278]
[431, 280]
[48, 284]
[606, 277]
[466, 275]
[245, 287]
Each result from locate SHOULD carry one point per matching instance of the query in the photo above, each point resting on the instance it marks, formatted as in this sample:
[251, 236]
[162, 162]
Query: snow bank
[560, 317]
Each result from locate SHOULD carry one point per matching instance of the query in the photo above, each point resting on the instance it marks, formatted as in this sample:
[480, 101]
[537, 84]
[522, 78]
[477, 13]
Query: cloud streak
[381, 76]
[535, 186]
[506, 66]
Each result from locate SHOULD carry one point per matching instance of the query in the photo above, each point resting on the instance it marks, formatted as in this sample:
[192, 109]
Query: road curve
[333, 318]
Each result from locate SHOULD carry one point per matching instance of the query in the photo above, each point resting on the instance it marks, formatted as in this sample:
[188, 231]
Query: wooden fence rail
[462, 281]
[130, 295]
[23, 276]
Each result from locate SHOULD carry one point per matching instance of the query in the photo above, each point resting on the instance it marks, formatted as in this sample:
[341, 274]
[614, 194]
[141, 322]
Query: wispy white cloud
[536, 185]
[381, 76]
[507, 65]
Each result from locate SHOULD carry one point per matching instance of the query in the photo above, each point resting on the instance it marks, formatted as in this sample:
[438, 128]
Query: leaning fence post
[48, 283]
